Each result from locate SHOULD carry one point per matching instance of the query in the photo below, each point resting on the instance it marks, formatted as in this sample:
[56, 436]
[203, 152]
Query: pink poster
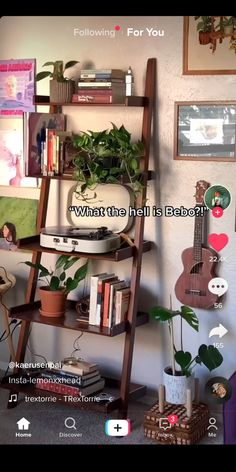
[17, 87]
[11, 160]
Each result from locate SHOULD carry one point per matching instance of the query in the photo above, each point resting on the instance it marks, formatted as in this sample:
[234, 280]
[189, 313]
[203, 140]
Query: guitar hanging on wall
[199, 267]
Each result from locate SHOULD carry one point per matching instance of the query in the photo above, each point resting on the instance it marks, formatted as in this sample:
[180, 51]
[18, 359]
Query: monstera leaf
[189, 316]
[159, 313]
[183, 359]
[210, 356]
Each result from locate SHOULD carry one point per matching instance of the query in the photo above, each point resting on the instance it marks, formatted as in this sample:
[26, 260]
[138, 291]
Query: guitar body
[192, 286]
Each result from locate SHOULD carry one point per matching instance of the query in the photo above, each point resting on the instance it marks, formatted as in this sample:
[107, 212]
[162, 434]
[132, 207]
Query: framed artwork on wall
[17, 87]
[18, 218]
[209, 45]
[205, 131]
[12, 160]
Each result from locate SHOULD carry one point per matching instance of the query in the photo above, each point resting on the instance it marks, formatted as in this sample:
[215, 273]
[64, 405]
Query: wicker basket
[185, 431]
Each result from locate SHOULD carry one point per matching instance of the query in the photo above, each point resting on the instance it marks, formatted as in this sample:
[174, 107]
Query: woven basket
[185, 431]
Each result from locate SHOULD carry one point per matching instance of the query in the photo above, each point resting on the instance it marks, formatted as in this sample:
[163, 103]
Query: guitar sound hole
[197, 268]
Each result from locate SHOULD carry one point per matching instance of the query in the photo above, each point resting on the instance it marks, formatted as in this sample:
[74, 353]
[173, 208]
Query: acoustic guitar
[199, 267]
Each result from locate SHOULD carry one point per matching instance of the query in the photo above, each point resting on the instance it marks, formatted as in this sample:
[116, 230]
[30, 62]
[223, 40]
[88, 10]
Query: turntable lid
[102, 197]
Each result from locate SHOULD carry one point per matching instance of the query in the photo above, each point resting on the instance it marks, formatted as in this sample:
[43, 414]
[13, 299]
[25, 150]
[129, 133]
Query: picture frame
[17, 85]
[209, 45]
[205, 131]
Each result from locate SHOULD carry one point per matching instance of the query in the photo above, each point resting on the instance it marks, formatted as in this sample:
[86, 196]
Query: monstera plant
[208, 356]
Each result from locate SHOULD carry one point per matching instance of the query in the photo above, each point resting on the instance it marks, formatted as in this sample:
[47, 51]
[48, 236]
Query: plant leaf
[61, 261]
[43, 75]
[189, 316]
[70, 262]
[71, 64]
[35, 266]
[71, 284]
[80, 274]
[62, 276]
[54, 283]
[210, 356]
[43, 273]
[183, 359]
[159, 313]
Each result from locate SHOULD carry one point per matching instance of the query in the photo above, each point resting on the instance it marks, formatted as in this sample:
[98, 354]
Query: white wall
[51, 38]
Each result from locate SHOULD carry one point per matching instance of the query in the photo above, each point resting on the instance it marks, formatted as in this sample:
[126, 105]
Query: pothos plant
[206, 355]
[107, 156]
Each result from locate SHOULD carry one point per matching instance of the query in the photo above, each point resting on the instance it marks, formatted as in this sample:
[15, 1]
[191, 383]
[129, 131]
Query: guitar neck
[198, 238]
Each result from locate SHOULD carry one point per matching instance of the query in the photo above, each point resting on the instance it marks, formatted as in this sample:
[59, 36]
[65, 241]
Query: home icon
[23, 423]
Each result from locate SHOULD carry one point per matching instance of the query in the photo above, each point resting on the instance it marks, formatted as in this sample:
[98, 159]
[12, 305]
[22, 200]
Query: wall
[51, 38]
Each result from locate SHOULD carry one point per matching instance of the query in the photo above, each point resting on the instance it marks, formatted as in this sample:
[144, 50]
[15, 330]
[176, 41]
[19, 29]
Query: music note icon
[13, 398]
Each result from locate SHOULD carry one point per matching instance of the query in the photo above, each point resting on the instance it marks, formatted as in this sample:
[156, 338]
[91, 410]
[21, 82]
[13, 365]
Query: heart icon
[218, 241]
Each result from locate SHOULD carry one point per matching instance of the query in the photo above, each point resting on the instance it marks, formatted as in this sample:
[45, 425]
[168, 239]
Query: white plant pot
[176, 387]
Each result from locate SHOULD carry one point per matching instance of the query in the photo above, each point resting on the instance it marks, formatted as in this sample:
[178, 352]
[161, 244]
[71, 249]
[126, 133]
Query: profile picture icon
[217, 196]
[218, 390]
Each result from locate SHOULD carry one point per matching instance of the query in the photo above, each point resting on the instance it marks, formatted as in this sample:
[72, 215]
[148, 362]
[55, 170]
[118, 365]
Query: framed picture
[17, 87]
[209, 45]
[205, 131]
[18, 217]
[12, 160]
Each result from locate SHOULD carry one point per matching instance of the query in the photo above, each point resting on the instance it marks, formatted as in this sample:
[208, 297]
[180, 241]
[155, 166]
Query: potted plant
[204, 27]
[177, 381]
[61, 88]
[106, 157]
[53, 295]
[229, 23]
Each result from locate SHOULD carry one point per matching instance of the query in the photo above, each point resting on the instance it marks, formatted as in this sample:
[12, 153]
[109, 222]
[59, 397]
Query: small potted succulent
[178, 380]
[53, 295]
[61, 88]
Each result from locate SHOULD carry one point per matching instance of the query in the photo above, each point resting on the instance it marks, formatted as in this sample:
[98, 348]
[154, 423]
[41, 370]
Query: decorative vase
[61, 92]
[53, 303]
[176, 386]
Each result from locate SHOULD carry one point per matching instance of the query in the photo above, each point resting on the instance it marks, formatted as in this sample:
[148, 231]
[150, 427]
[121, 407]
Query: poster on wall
[18, 218]
[17, 87]
[11, 160]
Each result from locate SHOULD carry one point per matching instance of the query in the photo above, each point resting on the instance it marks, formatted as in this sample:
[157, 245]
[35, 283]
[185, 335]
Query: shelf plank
[123, 180]
[133, 101]
[111, 387]
[33, 244]
[30, 312]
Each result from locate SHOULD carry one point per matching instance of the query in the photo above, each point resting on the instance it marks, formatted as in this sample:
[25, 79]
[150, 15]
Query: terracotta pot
[176, 386]
[53, 303]
[61, 92]
[204, 38]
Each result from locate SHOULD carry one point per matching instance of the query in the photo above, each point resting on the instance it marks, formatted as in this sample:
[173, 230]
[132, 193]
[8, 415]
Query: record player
[96, 235]
[69, 239]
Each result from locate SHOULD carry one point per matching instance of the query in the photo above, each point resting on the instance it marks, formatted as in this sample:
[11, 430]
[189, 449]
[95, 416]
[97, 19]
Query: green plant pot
[61, 92]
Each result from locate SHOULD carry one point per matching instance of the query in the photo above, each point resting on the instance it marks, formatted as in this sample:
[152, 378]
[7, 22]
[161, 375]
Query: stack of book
[81, 379]
[109, 300]
[101, 86]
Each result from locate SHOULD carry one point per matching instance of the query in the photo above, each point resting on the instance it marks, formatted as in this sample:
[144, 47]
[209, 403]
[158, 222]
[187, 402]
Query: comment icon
[218, 286]
[164, 423]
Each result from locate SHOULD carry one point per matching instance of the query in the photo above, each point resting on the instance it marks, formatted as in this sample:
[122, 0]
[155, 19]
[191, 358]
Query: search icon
[70, 422]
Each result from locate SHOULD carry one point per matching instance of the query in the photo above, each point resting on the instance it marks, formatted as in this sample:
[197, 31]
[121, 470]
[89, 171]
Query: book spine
[92, 99]
[57, 388]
